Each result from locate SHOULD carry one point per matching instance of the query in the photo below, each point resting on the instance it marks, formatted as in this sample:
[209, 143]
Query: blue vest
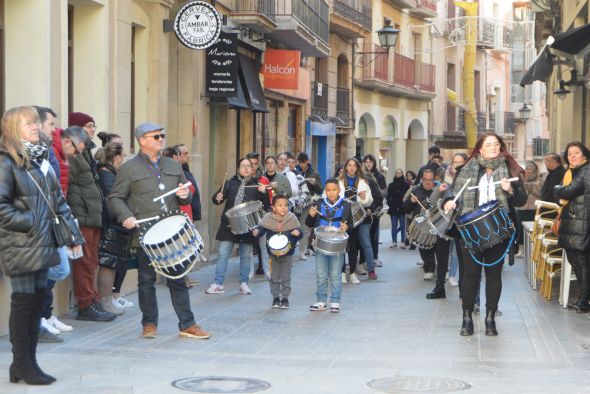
[331, 215]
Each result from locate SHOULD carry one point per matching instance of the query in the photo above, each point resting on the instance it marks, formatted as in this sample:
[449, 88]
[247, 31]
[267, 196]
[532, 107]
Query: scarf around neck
[241, 190]
[568, 176]
[35, 151]
[276, 223]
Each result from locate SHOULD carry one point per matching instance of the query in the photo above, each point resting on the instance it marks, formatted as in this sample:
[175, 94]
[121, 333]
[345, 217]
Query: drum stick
[495, 183]
[418, 201]
[171, 192]
[223, 183]
[147, 219]
[460, 192]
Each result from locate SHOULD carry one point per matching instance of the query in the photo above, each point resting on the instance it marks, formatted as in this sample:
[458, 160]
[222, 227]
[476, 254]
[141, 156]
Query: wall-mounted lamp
[387, 39]
[562, 92]
[525, 112]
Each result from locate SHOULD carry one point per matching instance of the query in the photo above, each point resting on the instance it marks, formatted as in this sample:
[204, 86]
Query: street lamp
[525, 112]
[388, 34]
[562, 92]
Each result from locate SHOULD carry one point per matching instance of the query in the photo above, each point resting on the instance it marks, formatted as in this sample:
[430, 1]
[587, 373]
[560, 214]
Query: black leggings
[437, 257]
[119, 278]
[353, 250]
[472, 276]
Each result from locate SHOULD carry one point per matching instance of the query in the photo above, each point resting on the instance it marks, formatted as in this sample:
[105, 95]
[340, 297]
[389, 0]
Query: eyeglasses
[156, 137]
[427, 180]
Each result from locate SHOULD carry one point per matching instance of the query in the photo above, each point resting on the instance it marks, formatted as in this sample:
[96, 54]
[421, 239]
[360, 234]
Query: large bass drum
[330, 240]
[421, 232]
[244, 217]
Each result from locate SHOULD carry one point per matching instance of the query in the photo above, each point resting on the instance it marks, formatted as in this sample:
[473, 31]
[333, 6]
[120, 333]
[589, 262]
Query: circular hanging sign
[197, 25]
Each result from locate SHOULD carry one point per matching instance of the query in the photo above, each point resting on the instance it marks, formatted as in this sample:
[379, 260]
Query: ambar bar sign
[197, 25]
[281, 69]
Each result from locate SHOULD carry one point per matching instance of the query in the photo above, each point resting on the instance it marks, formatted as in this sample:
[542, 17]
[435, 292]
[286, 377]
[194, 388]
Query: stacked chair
[547, 258]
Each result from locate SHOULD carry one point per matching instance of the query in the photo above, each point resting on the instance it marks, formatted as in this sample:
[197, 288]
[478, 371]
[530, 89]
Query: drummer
[138, 181]
[241, 188]
[280, 224]
[333, 210]
[489, 166]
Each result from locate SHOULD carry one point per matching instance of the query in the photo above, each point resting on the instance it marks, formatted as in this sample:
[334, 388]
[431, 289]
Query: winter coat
[395, 195]
[362, 186]
[574, 229]
[552, 179]
[230, 191]
[84, 195]
[64, 166]
[316, 187]
[27, 243]
[422, 195]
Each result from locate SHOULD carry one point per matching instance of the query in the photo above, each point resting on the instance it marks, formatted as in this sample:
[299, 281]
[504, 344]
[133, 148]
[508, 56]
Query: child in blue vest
[333, 211]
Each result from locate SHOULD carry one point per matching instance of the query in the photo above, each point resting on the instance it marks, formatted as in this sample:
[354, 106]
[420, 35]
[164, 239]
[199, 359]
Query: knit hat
[146, 127]
[79, 119]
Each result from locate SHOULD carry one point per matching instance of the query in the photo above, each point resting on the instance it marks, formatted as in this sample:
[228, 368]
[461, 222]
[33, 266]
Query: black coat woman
[30, 198]
[490, 167]
[574, 230]
[395, 198]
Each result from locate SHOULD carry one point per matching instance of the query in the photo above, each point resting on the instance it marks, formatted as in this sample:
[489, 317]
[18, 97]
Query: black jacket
[553, 179]
[574, 230]
[395, 195]
[196, 202]
[423, 196]
[377, 199]
[27, 243]
[230, 191]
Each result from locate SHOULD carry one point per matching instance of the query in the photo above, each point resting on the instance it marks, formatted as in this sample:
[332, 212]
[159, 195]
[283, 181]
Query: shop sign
[281, 69]
[222, 67]
[197, 25]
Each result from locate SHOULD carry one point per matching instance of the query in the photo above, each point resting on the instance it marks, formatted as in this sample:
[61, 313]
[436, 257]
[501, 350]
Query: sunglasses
[157, 136]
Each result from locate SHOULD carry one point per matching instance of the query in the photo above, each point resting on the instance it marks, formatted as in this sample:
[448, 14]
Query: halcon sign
[281, 69]
[197, 24]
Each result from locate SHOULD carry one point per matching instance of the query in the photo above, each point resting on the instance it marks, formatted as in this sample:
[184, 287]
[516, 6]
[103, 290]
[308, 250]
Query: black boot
[467, 327]
[583, 305]
[491, 323]
[438, 292]
[22, 367]
[34, 328]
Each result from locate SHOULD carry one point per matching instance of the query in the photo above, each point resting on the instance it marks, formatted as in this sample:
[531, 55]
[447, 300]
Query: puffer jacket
[27, 243]
[64, 166]
[84, 195]
[574, 229]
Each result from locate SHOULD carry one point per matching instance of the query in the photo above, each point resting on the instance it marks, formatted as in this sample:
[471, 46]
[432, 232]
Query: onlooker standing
[555, 172]
[532, 185]
[395, 198]
[313, 182]
[85, 199]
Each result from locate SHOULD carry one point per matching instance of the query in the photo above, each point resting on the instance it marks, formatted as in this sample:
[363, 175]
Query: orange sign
[281, 69]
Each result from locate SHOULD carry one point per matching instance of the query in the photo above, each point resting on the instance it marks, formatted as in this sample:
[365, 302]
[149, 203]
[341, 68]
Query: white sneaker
[59, 325]
[354, 279]
[45, 324]
[361, 269]
[402, 246]
[428, 275]
[344, 280]
[244, 289]
[378, 263]
[122, 303]
[393, 245]
[420, 263]
[453, 282]
[303, 257]
[215, 289]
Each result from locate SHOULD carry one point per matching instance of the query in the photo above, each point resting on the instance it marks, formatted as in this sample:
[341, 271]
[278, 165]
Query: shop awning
[573, 43]
[252, 84]
[541, 68]
[238, 102]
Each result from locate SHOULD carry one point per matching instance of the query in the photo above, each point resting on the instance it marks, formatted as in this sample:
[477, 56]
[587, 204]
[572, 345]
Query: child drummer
[333, 211]
[279, 225]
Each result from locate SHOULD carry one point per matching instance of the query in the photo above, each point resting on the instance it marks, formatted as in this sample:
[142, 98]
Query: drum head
[244, 208]
[278, 241]
[330, 233]
[164, 229]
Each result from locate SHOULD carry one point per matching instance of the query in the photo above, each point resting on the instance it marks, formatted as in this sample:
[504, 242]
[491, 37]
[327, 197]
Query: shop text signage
[197, 24]
[222, 67]
[281, 69]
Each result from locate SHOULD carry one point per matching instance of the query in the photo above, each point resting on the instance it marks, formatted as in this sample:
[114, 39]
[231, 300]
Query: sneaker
[307, 252]
[59, 325]
[393, 245]
[303, 257]
[378, 263]
[335, 307]
[259, 270]
[120, 301]
[361, 269]
[95, 312]
[194, 332]
[318, 307]
[49, 327]
[412, 247]
[107, 305]
[372, 275]
[276, 302]
[476, 309]
[344, 280]
[453, 282]
[46, 337]
[244, 289]
[402, 246]
[215, 289]
[428, 275]
[354, 279]
[420, 263]
[149, 331]
[285, 303]
[498, 313]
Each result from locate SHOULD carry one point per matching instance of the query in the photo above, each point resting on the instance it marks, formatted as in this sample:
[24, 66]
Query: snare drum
[245, 216]
[485, 226]
[421, 233]
[172, 244]
[358, 213]
[279, 245]
[442, 222]
[330, 240]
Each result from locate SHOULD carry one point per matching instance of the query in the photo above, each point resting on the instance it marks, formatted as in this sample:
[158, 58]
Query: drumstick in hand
[418, 201]
[223, 183]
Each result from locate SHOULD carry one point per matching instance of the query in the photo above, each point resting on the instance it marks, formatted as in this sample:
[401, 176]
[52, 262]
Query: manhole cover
[418, 384]
[221, 384]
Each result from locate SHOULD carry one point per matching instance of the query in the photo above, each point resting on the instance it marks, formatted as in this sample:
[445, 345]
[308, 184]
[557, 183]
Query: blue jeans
[328, 267]
[225, 248]
[398, 224]
[62, 270]
[365, 242]
[148, 303]
[454, 266]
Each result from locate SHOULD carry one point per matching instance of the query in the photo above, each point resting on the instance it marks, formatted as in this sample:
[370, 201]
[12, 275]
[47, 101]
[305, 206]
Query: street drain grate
[221, 384]
[418, 384]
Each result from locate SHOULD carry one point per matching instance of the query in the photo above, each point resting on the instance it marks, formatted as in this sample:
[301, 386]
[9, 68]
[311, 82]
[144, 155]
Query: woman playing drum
[489, 167]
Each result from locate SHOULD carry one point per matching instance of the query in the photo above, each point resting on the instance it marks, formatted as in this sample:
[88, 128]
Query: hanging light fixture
[562, 92]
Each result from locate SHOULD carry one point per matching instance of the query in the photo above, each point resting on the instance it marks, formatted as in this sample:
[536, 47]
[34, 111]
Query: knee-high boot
[22, 368]
[34, 327]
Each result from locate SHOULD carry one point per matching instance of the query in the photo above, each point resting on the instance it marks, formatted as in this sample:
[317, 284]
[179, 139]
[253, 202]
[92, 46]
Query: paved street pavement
[388, 335]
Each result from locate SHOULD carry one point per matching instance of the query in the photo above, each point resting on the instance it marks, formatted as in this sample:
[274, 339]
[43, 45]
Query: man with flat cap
[149, 175]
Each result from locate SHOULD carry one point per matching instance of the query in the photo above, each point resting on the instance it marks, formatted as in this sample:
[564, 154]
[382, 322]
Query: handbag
[61, 228]
[556, 223]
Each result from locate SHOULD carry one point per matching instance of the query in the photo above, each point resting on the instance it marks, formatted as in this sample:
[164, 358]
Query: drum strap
[501, 257]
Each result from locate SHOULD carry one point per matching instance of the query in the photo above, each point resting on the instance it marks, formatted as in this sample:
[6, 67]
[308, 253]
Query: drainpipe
[352, 114]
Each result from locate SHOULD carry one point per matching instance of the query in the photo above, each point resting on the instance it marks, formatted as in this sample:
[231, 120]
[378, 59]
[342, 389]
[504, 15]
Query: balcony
[451, 119]
[258, 15]
[403, 76]
[493, 35]
[303, 25]
[424, 9]
[403, 3]
[540, 147]
[343, 107]
[481, 122]
[461, 121]
[352, 18]
[319, 101]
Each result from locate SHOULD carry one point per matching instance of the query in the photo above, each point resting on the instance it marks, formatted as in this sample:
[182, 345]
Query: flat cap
[146, 127]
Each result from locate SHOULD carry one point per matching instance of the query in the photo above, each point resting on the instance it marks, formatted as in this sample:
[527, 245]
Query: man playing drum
[139, 180]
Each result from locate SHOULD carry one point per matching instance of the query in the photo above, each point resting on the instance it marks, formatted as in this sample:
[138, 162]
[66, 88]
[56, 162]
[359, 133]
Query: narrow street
[386, 330]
